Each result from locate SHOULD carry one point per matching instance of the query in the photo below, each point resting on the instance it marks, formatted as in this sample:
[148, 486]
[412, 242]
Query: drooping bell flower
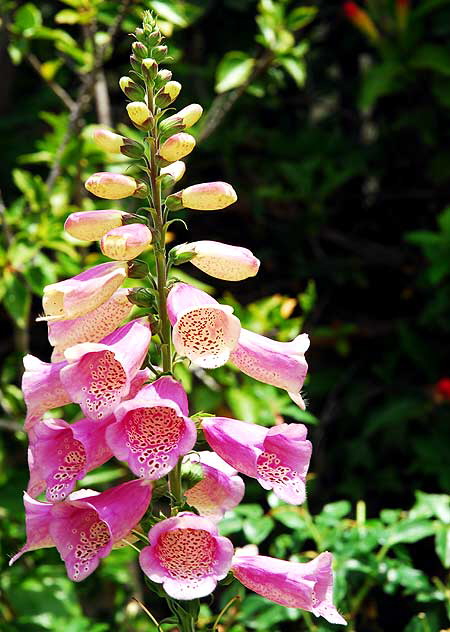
[307, 586]
[84, 292]
[186, 555]
[42, 388]
[219, 490]
[221, 261]
[177, 146]
[111, 186]
[126, 242]
[203, 330]
[208, 196]
[98, 375]
[153, 430]
[86, 525]
[277, 457]
[60, 454]
[91, 327]
[92, 225]
[281, 364]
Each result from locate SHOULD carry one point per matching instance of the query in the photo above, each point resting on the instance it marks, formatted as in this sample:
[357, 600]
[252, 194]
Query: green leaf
[170, 12]
[296, 68]
[409, 531]
[233, 71]
[432, 57]
[17, 299]
[243, 405]
[442, 544]
[299, 415]
[378, 81]
[289, 516]
[257, 530]
[27, 19]
[301, 17]
[67, 16]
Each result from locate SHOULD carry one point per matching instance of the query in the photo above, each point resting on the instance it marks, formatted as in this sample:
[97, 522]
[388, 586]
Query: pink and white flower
[203, 330]
[277, 457]
[42, 388]
[219, 490]
[153, 429]
[91, 327]
[126, 242]
[292, 584]
[281, 364]
[92, 225]
[86, 525]
[60, 454]
[98, 376]
[222, 261]
[84, 292]
[186, 555]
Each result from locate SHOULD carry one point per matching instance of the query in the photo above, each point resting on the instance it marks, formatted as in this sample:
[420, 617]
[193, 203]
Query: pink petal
[183, 296]
[42, 388]
[37, 516]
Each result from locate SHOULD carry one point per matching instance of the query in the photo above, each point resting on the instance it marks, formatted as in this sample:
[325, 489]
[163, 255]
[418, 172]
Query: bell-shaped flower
[86, 525]
[91, 327]
[221, 261]
[153, 430]
[177, 146]
[281, 364]
[277, 457]
[208, 196]
[126, 242]
[307, 586]
[111, 186]
[203, 330]
[92, 225]
[84, 292]
[60, 454]
[186, 555]
[42, 388]
[98, 375]
[219, 490]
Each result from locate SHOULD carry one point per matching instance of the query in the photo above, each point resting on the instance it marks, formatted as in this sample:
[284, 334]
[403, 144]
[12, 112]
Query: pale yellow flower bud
[176, 170]
[108, 141]
[111, 186]
[138, 112]
[188, 116]
[177, 146]
[208, 196]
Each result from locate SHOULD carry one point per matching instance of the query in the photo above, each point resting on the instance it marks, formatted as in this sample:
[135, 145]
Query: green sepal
[142, 297]
[137, 269]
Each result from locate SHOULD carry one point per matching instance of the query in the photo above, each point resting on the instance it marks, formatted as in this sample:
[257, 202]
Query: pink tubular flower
[203, 330]
[281, 364]
[153, 429]
[126, 242]
[177, 146]
[60, 454]
[111, 186]
[92, 225]
[42, 388]
[219, 490]
[277, 457]
[86, 525]
[84, 292]
[99, 375]
[91, 327]
[230, 263]
[292, 584]
[186, 555]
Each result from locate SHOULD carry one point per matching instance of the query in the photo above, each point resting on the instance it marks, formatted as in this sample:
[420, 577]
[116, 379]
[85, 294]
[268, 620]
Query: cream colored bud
[176, 170]
[188, 116]
[126, 242]
[208, 196]
[138, 112]
[108, 141]
[111, 186]
[177, 146]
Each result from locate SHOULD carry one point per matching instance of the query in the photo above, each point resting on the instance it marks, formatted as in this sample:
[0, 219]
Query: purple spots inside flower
[89, 536]
[279, 477]
[107, 379]
[152, 435]
[187, 554]
[72, 457]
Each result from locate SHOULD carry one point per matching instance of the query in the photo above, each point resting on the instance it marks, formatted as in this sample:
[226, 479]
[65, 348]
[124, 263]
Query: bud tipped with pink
[111, 186]
[176, 147]
[126, 242]
[292, 584]
[221, 261]
[108, 141]
[84, 292]
[208, 196]
[92, 225]
[187, 117]
[203, 330]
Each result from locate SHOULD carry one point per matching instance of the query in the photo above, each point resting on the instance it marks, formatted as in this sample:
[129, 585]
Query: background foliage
[338, 146]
